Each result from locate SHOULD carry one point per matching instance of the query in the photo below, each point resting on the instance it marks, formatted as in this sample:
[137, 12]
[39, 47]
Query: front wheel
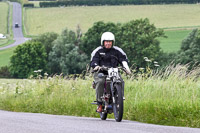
[118, 106]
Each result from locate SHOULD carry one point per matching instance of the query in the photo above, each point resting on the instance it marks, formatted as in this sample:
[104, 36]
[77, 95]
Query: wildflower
[39, 71]
[155, 62]
[141, 69]
[35, 71]
[39, 76]
[156, 65]
[45, 74]
[147, 60]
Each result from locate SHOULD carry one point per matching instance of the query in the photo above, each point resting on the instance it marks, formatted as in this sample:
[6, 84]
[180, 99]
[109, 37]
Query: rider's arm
[125, 65]
[95, 57]
[123, 60]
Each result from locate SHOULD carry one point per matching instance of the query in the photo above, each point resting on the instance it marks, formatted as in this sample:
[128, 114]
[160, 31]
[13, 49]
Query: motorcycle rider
[109, 56]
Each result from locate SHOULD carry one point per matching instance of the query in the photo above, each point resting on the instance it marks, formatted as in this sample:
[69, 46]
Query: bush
[190, 50]
[27, 58]
[66, 56]
[92, 38]
[138, 38]
[47, 40]
[111, 2]
[4, 72]
[29, 5]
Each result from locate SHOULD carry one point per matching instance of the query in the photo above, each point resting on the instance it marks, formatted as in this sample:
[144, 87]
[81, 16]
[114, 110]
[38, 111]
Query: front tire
[118, 106]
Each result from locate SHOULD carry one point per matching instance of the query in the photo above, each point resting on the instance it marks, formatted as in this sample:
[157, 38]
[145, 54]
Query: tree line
[69, 52]
[112, 2]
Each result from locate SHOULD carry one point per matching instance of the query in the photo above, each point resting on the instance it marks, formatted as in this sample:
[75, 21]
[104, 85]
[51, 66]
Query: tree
[92, 38]
[47, 40]
[138, 38]
[27, 58]
[65, 56]
[190, 49]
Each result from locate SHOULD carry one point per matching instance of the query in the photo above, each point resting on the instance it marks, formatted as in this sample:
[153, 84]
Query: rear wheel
[118, 106]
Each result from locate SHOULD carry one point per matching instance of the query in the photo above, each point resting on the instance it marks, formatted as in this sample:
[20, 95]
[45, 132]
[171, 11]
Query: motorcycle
[112, 98]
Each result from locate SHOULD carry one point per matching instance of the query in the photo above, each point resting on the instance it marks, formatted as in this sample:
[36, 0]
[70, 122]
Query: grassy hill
[173, 41]
[5, 12]
[3, 17]
[177, 20]
[41, 20]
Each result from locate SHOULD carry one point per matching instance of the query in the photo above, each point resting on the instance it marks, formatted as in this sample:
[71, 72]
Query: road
[16, 122]
[17, 32]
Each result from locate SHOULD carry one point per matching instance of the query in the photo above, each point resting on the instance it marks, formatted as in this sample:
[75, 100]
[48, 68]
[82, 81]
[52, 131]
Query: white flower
[155, 62]
[145, 58]
[156, 65]
[39, 71]
[46, 74]
[141, 69]
[35, 71]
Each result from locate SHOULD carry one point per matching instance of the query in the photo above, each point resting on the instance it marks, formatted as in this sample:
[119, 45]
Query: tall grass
[170, 97]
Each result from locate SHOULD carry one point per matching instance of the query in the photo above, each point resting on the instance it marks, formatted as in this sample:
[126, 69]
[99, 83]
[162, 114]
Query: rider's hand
[128, 71]
[97, 68]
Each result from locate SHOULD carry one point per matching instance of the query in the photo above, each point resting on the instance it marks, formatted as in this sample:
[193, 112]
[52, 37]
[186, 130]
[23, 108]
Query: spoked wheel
[103, 115]
[118, 106]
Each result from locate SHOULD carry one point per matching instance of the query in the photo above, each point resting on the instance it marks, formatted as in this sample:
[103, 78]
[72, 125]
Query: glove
[125, 65]
[97, 68]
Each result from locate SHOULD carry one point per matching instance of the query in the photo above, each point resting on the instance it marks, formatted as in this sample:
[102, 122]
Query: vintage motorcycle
[112, 98]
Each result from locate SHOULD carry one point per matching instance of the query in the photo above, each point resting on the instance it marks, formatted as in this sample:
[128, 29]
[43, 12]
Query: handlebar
[104, 68]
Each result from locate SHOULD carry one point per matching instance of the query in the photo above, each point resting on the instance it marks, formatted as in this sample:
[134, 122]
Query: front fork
[112, 90]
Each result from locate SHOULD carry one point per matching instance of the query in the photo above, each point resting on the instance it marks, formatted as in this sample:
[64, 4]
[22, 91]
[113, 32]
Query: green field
[5, 56]
[3, 17]
[5, 11]
[170, 98]
[41, 20]
[173, 41]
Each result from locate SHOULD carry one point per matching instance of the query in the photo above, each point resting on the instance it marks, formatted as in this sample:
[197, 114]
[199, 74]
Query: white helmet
[107, 36]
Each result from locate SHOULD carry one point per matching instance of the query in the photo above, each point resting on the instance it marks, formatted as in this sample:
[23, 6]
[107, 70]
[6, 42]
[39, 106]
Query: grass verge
[168, 98]
[9, 32]
[5, 56]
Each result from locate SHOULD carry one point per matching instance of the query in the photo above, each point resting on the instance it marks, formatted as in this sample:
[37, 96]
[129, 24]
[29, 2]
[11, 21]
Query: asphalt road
[15, 122]
[17, 32]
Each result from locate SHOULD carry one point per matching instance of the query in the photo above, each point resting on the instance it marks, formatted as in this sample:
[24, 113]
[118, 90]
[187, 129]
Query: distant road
[18, 34]
[15, 122]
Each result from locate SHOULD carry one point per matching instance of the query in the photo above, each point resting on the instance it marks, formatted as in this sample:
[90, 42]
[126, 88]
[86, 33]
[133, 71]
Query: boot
[99, 109]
